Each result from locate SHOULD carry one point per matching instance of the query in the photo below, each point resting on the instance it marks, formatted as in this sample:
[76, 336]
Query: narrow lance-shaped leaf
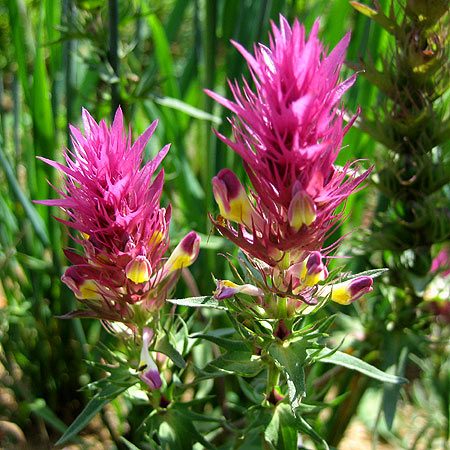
[92, 408]
[30, 211]
[292, 358]
[197, 302]
[373, 273]
[391, 392]
[350, 362]
[282, 430]
[164, 346]
[378, 15]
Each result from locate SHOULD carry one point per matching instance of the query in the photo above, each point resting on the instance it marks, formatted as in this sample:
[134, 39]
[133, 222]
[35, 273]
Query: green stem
[113, 53]
[2, 125]
[68, 68]
[282, 307]
[17, 119]
[210, 73]
[273, 376]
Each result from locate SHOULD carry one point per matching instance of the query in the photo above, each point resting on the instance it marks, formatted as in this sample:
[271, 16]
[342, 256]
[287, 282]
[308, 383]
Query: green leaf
[129, 445]
[228, 344]
[30, 211]
[350, 362]
[39, 407]
[281, 431]
[373, 273]
[43, 124]
[21, 34]
[378, 15]
[391, 392]
[190, 110]
[239, 363]
[164, 346]
[250, 392]
[304, 426]
[183, 410]
[313, 407]
[172, 26]
[96, 404]
[292, 358]
[197, 302]
[164, 57]
[214, 242]
[178, 431]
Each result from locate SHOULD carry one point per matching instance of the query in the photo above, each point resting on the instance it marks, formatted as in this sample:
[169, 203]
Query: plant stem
[113, 53]
[282, 307]
[210, 73]
[273, 375]
[67, 12]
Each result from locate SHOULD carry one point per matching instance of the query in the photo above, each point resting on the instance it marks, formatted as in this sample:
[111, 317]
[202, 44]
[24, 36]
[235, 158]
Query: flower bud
[139, 269]
[149, 371]
[185, 253]
[231, 197]
[349, 291]
[227, 289]
[302, 210]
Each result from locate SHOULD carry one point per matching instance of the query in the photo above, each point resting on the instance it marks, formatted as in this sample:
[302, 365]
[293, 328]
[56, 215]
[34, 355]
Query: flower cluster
[289, 132]
[114, 205]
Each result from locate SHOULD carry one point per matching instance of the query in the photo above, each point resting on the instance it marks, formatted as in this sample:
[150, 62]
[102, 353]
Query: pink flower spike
[112, 198]
[149, 371]
[288, 128]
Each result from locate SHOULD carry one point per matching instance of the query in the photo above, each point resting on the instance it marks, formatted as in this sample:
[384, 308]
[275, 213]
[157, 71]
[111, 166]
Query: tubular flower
[148, 370]
[308, 273]
[231, 197]
[139, 269]
[185, 253]
[227, 289]
[113, 201]
[347, 292]
[288, 130]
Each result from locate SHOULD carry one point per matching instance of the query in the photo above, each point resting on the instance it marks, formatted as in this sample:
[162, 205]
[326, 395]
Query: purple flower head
[113, 200]
[288, 130]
